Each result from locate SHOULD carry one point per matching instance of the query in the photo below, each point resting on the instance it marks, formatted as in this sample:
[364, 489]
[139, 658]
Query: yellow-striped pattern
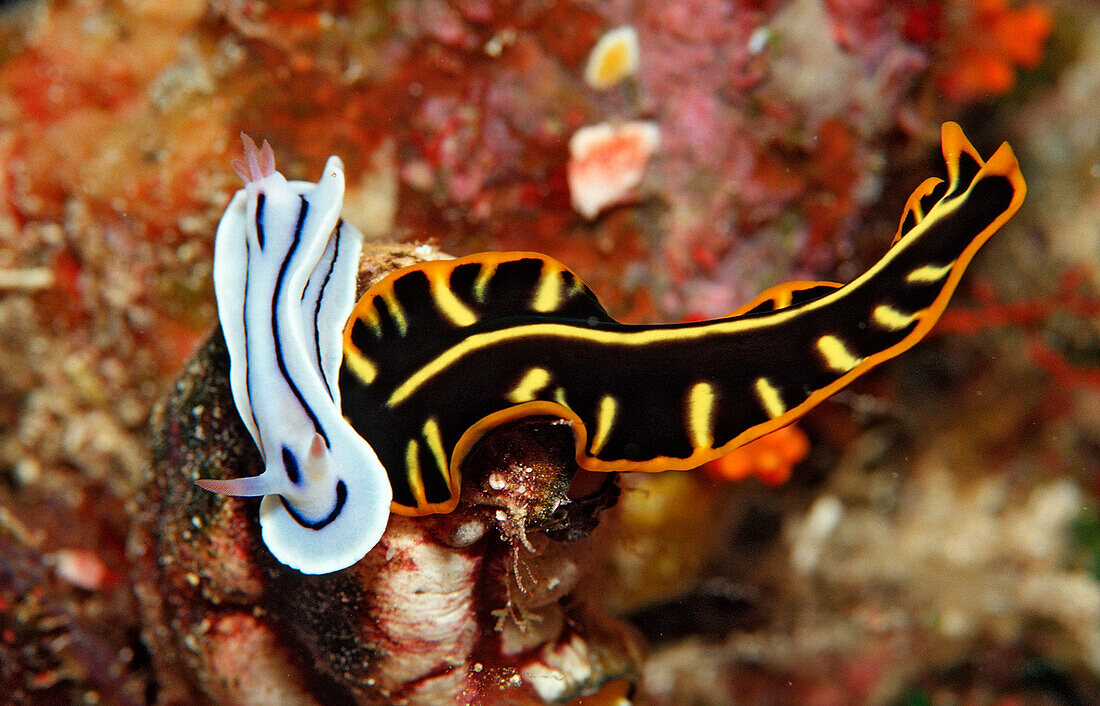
[605, 419]
[930, 273]
[540, 344]
[769, 398]
[533, 382]
[359, 364]
[891, 319]
[548, 294]
[481, 284]
[836, 354]
[449, 304]
[700, 415]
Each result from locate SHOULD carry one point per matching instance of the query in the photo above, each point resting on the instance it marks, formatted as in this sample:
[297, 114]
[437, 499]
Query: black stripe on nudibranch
[321, 298]
[244, 338]
[968, 170]
[910, 222]
[413, 295]
[514, 280]
[261, 198]
[279, 358]
[341, 500]
[290, 463]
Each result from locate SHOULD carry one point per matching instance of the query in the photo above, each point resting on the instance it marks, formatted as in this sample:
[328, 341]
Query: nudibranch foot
[285, 267]
[251, 487]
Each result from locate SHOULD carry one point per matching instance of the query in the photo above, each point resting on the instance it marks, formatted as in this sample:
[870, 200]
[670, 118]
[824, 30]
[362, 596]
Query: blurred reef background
[931, 536]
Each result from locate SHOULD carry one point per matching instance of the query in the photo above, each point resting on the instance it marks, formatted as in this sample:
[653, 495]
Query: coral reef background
[938, 539]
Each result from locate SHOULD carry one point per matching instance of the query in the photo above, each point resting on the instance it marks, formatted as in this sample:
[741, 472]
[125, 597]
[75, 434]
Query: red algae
[1067, 308]
[771, 458]
[992, 40]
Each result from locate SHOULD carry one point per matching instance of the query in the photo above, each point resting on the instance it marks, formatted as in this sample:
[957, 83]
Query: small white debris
[760, 38]
[426, 252]
[809, 537]
[614, 57]
[29, 279]
[81, 568]
[496, 44]
[466, 533]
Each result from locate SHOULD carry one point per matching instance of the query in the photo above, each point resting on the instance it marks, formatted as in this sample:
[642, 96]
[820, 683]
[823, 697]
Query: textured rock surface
[478, 606]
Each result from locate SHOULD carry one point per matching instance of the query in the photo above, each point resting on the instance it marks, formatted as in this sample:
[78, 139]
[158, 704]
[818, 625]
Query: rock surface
[482, 605]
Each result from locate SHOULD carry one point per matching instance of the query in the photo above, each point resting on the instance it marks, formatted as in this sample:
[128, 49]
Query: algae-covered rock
[483, 605]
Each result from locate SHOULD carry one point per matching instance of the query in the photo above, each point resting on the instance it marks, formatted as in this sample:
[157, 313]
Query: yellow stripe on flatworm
[548, 295]
[435, 445]
[359, 364]
[700, 415]
[644, 337]
[451, 306]
[571, 332]
[485, 274]
[370, 315]
[412, 468]
[929, 273]
[530, 385]
[395, 309]
[890, 318]
[837, 355]
[769, 398]
[559, 396]
[605, 418]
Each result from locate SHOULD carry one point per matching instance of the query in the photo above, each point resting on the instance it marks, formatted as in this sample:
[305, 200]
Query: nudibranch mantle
[285, 268]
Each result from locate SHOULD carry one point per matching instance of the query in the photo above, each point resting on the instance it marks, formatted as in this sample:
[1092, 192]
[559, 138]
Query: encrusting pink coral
[607, 161]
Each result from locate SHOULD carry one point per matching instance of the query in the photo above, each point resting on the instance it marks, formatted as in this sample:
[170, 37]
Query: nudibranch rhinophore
[285, 267]
[437, 354]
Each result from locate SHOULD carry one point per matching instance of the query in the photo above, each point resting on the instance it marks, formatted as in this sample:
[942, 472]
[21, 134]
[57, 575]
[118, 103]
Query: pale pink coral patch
[606, 162]
[81, 568]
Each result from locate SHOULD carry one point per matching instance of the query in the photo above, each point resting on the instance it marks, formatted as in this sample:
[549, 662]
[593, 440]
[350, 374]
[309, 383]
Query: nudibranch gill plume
[437, 354]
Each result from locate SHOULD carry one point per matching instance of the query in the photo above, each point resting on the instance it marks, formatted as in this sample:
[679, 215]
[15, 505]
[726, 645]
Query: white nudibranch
[285, 268]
